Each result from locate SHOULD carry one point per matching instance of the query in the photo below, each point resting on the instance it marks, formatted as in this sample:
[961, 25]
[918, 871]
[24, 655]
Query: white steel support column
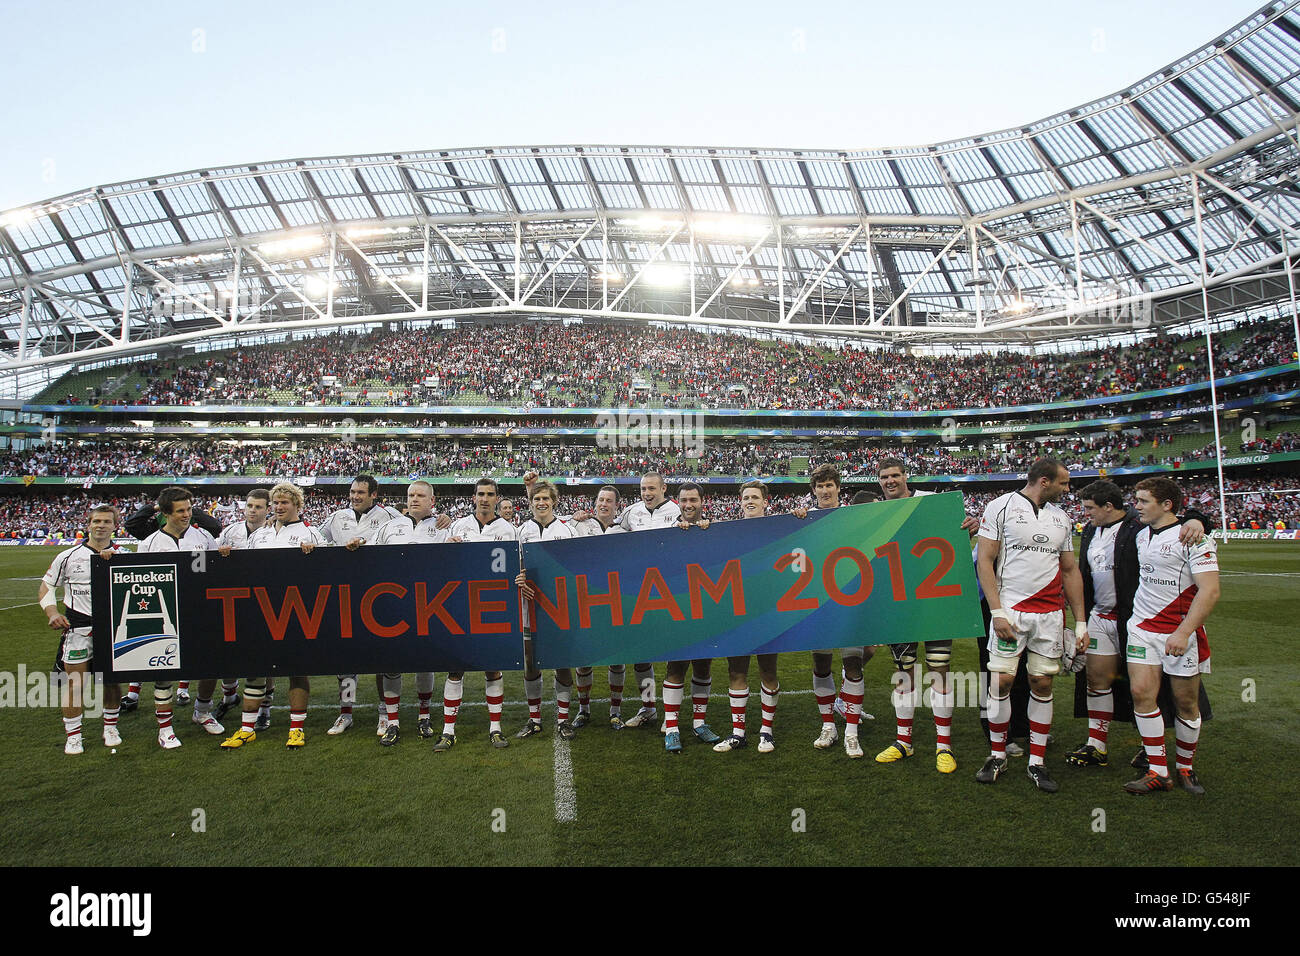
[126, 305]
[690, 263]
[329, 278]
[1209, 351]
[23, 324]
[976, 281]
[871, 278]
[424, 278]
[604, 263]
[780, 275]
[1078, 255]
[1290, 283]
[234, 285]
[519, 255]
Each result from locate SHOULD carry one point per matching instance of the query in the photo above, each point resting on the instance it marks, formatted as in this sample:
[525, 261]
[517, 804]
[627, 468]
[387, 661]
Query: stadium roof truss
[1107, 218]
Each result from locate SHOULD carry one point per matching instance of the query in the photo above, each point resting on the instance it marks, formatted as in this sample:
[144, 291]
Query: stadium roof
[1109, 217]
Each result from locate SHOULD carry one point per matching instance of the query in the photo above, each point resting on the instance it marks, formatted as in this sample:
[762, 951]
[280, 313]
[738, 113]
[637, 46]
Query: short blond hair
[290, 491]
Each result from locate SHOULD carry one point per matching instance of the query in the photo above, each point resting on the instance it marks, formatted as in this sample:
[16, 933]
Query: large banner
[380, 609]
[888, 572]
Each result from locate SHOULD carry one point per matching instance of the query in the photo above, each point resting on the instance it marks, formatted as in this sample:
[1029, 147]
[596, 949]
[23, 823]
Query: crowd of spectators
[524, 365]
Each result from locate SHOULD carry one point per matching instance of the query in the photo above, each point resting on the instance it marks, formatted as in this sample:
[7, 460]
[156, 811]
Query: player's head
[543, 498]
[102, 522]
[363, 492]
[506, 509]
[256, 507]
[485, 498]
[1103, 503]
[286, 502]
[753, 499]
[825, 484]
[652, 489]
[176, 504]
[419, 500]
[865, 497]
[892, 474]
[607, 503]
[690, 498]
[1049, 479]
[1157, 498]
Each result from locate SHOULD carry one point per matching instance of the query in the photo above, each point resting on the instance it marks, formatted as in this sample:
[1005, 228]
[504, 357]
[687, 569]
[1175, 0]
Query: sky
[101, 93]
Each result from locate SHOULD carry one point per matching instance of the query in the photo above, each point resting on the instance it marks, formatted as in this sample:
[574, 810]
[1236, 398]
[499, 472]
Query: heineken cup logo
[145, 635]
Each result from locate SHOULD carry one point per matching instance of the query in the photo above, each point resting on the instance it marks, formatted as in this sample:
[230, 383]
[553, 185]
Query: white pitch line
[12, 606]
[1265, 574]
[566, 797]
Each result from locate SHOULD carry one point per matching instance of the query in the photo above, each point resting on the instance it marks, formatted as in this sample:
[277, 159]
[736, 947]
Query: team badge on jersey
[145, 635]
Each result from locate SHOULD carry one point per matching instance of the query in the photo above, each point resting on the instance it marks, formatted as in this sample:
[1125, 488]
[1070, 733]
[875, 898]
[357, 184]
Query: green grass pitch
[347, 801]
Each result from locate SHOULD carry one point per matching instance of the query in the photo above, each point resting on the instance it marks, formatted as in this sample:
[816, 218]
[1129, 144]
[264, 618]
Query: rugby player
[482, 524]
[1178, 586]
[418, 526]
[233, 535]
[1109, 566]
[825, 483]
[603, 520]
[70, 570]
[892, 474]
[287, 530]
[653, 510]
[351, 527]
[179, 533]
[543, 525]
[690, 498]
[754, 497]
[1027, 569]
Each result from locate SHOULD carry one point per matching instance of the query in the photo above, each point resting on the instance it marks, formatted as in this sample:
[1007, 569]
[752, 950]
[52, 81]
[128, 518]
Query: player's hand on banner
[970, 525]
[308, 547]
[800, 512]
[525, 588]
[351, 545]
[225, 550]
[1191, 533]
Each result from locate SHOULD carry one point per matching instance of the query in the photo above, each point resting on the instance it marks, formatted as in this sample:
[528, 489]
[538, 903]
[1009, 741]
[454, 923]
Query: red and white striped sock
[426, 698]
[942, 705]
[72, 726]
[645, 682]
[1151, 727]
[1187, 732]
[563, 693]
[851, 692]
[133, 691]
[533, 693]
[1101, 708]
[904, 702]
[298, 718]
[451, 697]
[616, 674]
[247, 720]
[739, 700]
[583, 684]
[999, 711]
[110, 716]
[768, 699]
[495, 693]
[1040, 725]
[391, 704]
[672, 704]
[700, 690]
[824, 691]
[229, 691]
[183, 686]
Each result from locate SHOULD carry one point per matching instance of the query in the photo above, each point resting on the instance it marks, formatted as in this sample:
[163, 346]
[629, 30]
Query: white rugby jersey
[531, 530]
[194, 539]
[291, 535]
[345, 524]
[637, 517]
[1029, 563]
[592, 526]
[469, 528]
[236, 533]
[70, 570]
[406, 530]
[1165, 585]
[1101, 562]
